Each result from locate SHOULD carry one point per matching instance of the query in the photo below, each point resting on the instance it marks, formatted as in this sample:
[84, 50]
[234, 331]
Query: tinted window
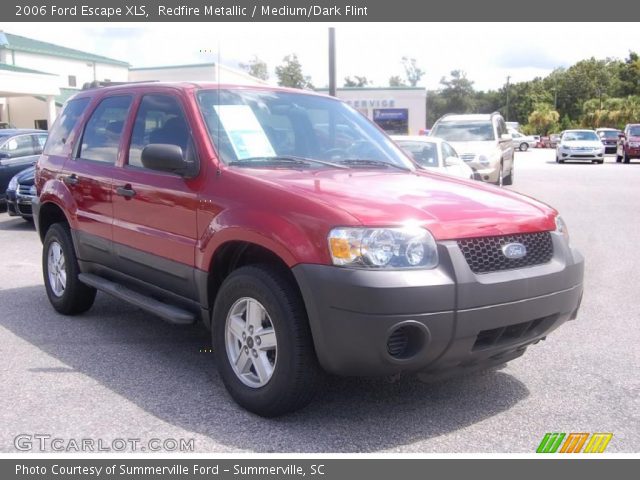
[63, 126]
[578, 136]
[608, 134]
[634, 131]
[424, 153]
[40, 141]
[160, 119]
[465, 131]
[101, 137]
[19, 146]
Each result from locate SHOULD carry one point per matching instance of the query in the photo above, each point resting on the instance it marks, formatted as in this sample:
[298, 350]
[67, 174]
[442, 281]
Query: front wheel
[524, 147]
[262, 341]
[66, 292]
[626, 158]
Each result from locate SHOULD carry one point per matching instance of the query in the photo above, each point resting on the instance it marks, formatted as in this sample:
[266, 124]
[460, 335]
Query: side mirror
[506, 137]
[452, 161]
[164, 157]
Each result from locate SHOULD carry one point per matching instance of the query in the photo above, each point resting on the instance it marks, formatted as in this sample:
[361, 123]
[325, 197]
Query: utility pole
[508, 78]
[332, 61]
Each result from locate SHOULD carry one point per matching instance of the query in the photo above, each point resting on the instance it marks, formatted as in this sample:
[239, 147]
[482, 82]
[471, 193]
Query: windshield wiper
[283, 159]
[371, 163]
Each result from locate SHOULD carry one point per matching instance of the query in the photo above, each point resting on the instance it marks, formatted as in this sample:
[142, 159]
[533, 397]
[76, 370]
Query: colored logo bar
[574, 442]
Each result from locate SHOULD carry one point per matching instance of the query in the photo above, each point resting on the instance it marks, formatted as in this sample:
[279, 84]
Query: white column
[51, 109]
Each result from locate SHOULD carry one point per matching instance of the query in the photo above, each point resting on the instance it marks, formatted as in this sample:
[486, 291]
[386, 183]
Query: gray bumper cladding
[383, 322]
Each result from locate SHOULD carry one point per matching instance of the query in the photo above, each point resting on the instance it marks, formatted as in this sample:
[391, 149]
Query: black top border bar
[319, 11]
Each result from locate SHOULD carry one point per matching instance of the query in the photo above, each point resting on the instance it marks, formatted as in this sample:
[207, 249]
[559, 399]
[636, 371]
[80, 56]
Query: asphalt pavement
[119, 373]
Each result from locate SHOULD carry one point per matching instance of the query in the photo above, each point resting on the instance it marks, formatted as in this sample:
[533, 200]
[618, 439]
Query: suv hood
[450, 208]
[478, 148]
[634, 138]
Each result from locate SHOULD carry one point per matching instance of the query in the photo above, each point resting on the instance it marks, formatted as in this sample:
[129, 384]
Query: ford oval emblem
[515, 250]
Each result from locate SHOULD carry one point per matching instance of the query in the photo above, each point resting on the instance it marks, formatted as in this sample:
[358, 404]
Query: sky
[487, 52]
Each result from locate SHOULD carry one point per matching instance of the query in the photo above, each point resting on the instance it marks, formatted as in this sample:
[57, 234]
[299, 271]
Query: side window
[160, 119]
[39, 142]
[448, 151]
[19, 146]
[101, 137]
[64, 125]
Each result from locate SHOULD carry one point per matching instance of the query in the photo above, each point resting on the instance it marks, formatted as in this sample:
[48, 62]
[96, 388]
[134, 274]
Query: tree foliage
[356, 81]
[256, 68]
[290, 73]
[412, 71]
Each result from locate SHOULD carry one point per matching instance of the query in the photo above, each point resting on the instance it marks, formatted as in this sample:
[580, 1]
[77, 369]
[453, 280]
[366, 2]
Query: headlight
[561, 227]
[410, 247]
[13, 184]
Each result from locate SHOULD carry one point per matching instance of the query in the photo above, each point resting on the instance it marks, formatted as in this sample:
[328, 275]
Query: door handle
[126, 191]
[70, 179]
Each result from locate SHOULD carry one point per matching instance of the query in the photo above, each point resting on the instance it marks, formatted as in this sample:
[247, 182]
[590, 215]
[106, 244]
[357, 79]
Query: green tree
[544, 119]
[412, 71]
[458, 92]
[356, 81]
[396, 81]
[256, 68]
[290, 73]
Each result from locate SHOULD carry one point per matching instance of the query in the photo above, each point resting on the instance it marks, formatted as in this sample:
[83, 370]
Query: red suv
[298, 232]
[629, 143]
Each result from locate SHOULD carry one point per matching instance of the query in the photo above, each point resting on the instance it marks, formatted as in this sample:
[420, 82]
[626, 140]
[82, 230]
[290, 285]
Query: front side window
[465, 131]
[424, 153]
[64, 125]
[448, 151]
[284, 128]
[160, 119]
[102, 134]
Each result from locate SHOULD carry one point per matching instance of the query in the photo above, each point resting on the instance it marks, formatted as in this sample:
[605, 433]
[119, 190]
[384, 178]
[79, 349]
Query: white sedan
[432, 152]
[580, 145]
[522, 142]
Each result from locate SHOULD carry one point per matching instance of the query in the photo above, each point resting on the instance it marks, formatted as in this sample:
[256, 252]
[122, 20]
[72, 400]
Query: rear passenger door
[155, 212]
[88, 176]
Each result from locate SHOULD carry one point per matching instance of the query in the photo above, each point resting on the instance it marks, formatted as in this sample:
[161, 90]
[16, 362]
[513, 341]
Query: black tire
[77, 297]
[524, 146]
[600, 162]
[296, 375]
[557, 159]
[626, 158]
[618, 158]
[500, 180]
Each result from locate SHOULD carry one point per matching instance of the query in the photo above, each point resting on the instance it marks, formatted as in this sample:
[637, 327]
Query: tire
[292, 374]
[600, 162]
[69, 295]
[626, 158]
[557, 159]
[524, 146]
[618, 158]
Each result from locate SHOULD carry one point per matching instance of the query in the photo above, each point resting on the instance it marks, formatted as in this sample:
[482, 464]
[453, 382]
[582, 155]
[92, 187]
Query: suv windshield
[470, 131]
[287, 129]
[634, 131]
[608, 134]
[578, 136]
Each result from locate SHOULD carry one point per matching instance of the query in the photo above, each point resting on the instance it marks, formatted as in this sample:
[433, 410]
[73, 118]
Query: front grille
[513, 333]
[24, 189]
[468, 157]
[398, 342]
[485, 255]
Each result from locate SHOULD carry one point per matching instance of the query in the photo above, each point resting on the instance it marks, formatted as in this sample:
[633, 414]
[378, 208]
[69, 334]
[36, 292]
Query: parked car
[299, 255]
[434, 153]
[481, 140]
[609, 138]
[629, 144]
[580, 145]
[554, 140]
[18, 149]
[523, 142]
[20, 194]
[4, 125]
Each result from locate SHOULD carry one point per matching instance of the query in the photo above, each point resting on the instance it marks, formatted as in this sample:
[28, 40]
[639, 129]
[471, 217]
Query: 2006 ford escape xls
[298, 232]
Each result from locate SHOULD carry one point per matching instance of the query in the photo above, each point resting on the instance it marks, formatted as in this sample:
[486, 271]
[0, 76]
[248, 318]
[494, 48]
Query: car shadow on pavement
[169, 372]
[18, 224]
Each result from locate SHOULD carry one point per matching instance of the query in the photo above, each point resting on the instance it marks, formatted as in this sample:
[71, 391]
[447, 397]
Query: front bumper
[584, 156]
[454, 319]
[19, 205]
[633, 152]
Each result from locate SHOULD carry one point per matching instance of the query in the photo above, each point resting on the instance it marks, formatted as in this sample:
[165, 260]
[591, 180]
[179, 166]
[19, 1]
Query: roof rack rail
[102, 84]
